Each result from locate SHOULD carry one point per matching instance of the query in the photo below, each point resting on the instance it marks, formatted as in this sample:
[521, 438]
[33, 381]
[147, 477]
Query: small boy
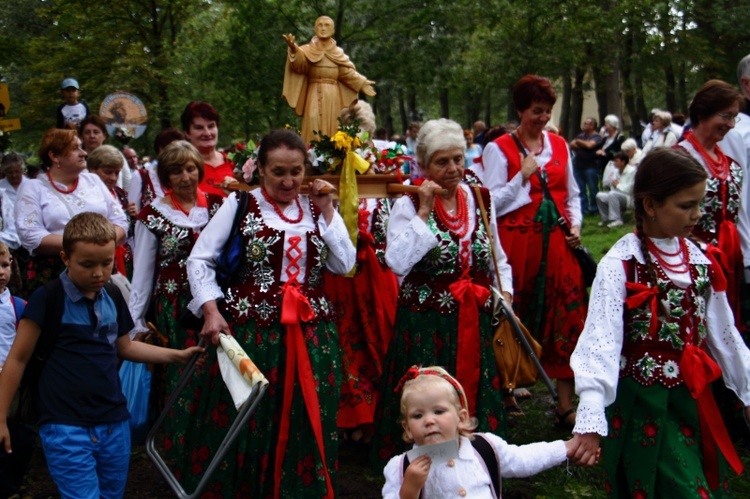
[13, 467]
[71, 113]
[83, 419]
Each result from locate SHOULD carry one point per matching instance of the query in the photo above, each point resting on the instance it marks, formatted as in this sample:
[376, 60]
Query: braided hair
[663, 173]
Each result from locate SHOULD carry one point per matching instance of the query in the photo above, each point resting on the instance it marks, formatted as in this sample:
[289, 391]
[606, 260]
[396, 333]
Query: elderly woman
[106, 162]
[550, 293]
[438, 244]
[45, 205]
[713, 112]
[93, 132]
[278, 312]
[635, 155]
[200, 122]
[614, 138]
[661, 132]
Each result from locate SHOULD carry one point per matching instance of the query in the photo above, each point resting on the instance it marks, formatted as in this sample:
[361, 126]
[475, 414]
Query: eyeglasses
[729, 117]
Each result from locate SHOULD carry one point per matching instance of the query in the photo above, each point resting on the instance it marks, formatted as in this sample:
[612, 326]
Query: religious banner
[124, 115]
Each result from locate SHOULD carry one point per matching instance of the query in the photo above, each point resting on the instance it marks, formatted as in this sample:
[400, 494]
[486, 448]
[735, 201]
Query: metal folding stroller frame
[247, 410]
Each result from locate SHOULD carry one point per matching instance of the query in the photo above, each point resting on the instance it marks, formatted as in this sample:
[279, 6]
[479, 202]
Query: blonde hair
[4, 250]
[104, 157]
[434, 378]
[87, 227]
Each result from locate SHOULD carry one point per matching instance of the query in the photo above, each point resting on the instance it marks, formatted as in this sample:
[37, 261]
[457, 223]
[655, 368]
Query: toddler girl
[658, 308]
[434, 410]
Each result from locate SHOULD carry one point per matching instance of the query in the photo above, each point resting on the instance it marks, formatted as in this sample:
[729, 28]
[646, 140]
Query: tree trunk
[669, 80]
[600, 90]
[627, 88]
[562, 123]
[444, 104]
[576, 104]
[488, 108]
[682, 99]
[402, 111]
[614, 100]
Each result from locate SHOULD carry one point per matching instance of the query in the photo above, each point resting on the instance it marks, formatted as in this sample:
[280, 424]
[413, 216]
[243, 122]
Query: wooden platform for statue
[368, 186]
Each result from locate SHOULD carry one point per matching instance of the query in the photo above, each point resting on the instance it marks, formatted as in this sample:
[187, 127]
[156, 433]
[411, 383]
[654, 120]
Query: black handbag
[585, 261]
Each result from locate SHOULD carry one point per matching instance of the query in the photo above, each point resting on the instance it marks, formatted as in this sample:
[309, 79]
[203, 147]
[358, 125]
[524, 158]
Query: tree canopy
[451, 58]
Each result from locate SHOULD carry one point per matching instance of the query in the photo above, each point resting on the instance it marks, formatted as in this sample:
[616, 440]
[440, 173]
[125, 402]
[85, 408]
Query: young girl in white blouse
[658, 309]
[434, 410]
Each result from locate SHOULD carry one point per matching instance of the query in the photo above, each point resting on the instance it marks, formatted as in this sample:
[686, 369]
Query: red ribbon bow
[718, 263]
[295, 308]
[469, 297]
[642, 294]
[699, 370]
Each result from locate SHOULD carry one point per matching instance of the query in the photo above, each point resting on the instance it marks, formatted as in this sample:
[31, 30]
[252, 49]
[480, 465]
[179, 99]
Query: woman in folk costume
[438, 243]
[277, 310]
[550, 293]
[145, 186]
[364, 305]
[320, 80]
[713, 112]
[659, 331]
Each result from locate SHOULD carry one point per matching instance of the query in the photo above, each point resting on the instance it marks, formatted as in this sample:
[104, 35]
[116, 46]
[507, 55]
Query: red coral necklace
[458, 223]
[278, 210]
[62, 191]
[678, 268]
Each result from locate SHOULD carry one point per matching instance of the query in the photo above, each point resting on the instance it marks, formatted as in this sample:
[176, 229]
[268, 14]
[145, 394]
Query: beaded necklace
[659, 254]
[523, 142]
[719, 167]
[278, 210]
[458, 223]
[62, 191]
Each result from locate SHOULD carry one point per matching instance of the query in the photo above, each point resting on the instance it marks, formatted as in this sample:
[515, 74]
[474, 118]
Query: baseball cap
[70, 82]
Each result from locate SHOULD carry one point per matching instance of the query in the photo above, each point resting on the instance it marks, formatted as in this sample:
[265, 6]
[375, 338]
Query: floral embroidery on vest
[654, 357]
[257, 293]
[426, 286]
[717, 207]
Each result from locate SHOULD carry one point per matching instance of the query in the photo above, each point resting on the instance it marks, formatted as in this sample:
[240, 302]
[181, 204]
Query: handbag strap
[486, 223]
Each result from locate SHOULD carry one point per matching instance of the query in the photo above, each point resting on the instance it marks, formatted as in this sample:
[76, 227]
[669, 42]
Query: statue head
[324, 28]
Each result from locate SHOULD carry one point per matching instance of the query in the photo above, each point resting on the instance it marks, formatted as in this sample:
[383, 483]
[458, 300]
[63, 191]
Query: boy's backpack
[488, 457]
[53, 314]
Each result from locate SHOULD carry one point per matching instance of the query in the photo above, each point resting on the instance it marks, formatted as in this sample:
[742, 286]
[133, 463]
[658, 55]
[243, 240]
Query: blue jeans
[88, 462]
[587, 178]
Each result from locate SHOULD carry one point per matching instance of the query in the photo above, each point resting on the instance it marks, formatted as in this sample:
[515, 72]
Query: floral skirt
[654, 445]
[565, 298]
[205, 411]
[430, 338]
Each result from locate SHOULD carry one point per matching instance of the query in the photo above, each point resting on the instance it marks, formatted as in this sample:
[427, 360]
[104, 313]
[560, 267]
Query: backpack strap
[19, 304]
[490, 460]
[487, 456]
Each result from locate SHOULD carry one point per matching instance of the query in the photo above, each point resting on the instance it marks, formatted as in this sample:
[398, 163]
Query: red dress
[213, 176]
[565, 296]
[365, 309]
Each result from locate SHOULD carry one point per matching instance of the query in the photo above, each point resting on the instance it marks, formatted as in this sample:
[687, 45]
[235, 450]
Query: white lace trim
[590, 419]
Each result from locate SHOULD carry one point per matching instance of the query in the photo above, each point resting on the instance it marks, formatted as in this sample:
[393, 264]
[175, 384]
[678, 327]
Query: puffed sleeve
[134, 190]
[144, 268]
[727, 347]
[596, 358]
[573, 199]
[507, 196]
[409, 239]
[201, 264]
[501, 259]
[28, 214]
[341, 252]
[8, 233]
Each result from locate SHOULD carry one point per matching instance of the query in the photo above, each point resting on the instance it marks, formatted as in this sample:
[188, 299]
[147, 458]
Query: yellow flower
[356, 143]
[342, 141]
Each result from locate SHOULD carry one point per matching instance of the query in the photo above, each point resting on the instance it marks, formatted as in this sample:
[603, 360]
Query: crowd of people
[357, 330]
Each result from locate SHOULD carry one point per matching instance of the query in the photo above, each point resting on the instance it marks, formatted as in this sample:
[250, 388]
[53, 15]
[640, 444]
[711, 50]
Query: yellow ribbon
[348, 193]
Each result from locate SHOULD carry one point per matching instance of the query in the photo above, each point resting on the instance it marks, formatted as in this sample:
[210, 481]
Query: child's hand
[184, 356]
[415, 476]
[583, 449]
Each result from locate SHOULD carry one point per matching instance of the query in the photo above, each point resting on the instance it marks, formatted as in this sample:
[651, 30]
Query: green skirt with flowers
[430, 338]
[205, 412]
[654, 445]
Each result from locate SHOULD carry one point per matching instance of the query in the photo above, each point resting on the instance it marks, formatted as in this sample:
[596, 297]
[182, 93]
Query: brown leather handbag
[517, 365]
